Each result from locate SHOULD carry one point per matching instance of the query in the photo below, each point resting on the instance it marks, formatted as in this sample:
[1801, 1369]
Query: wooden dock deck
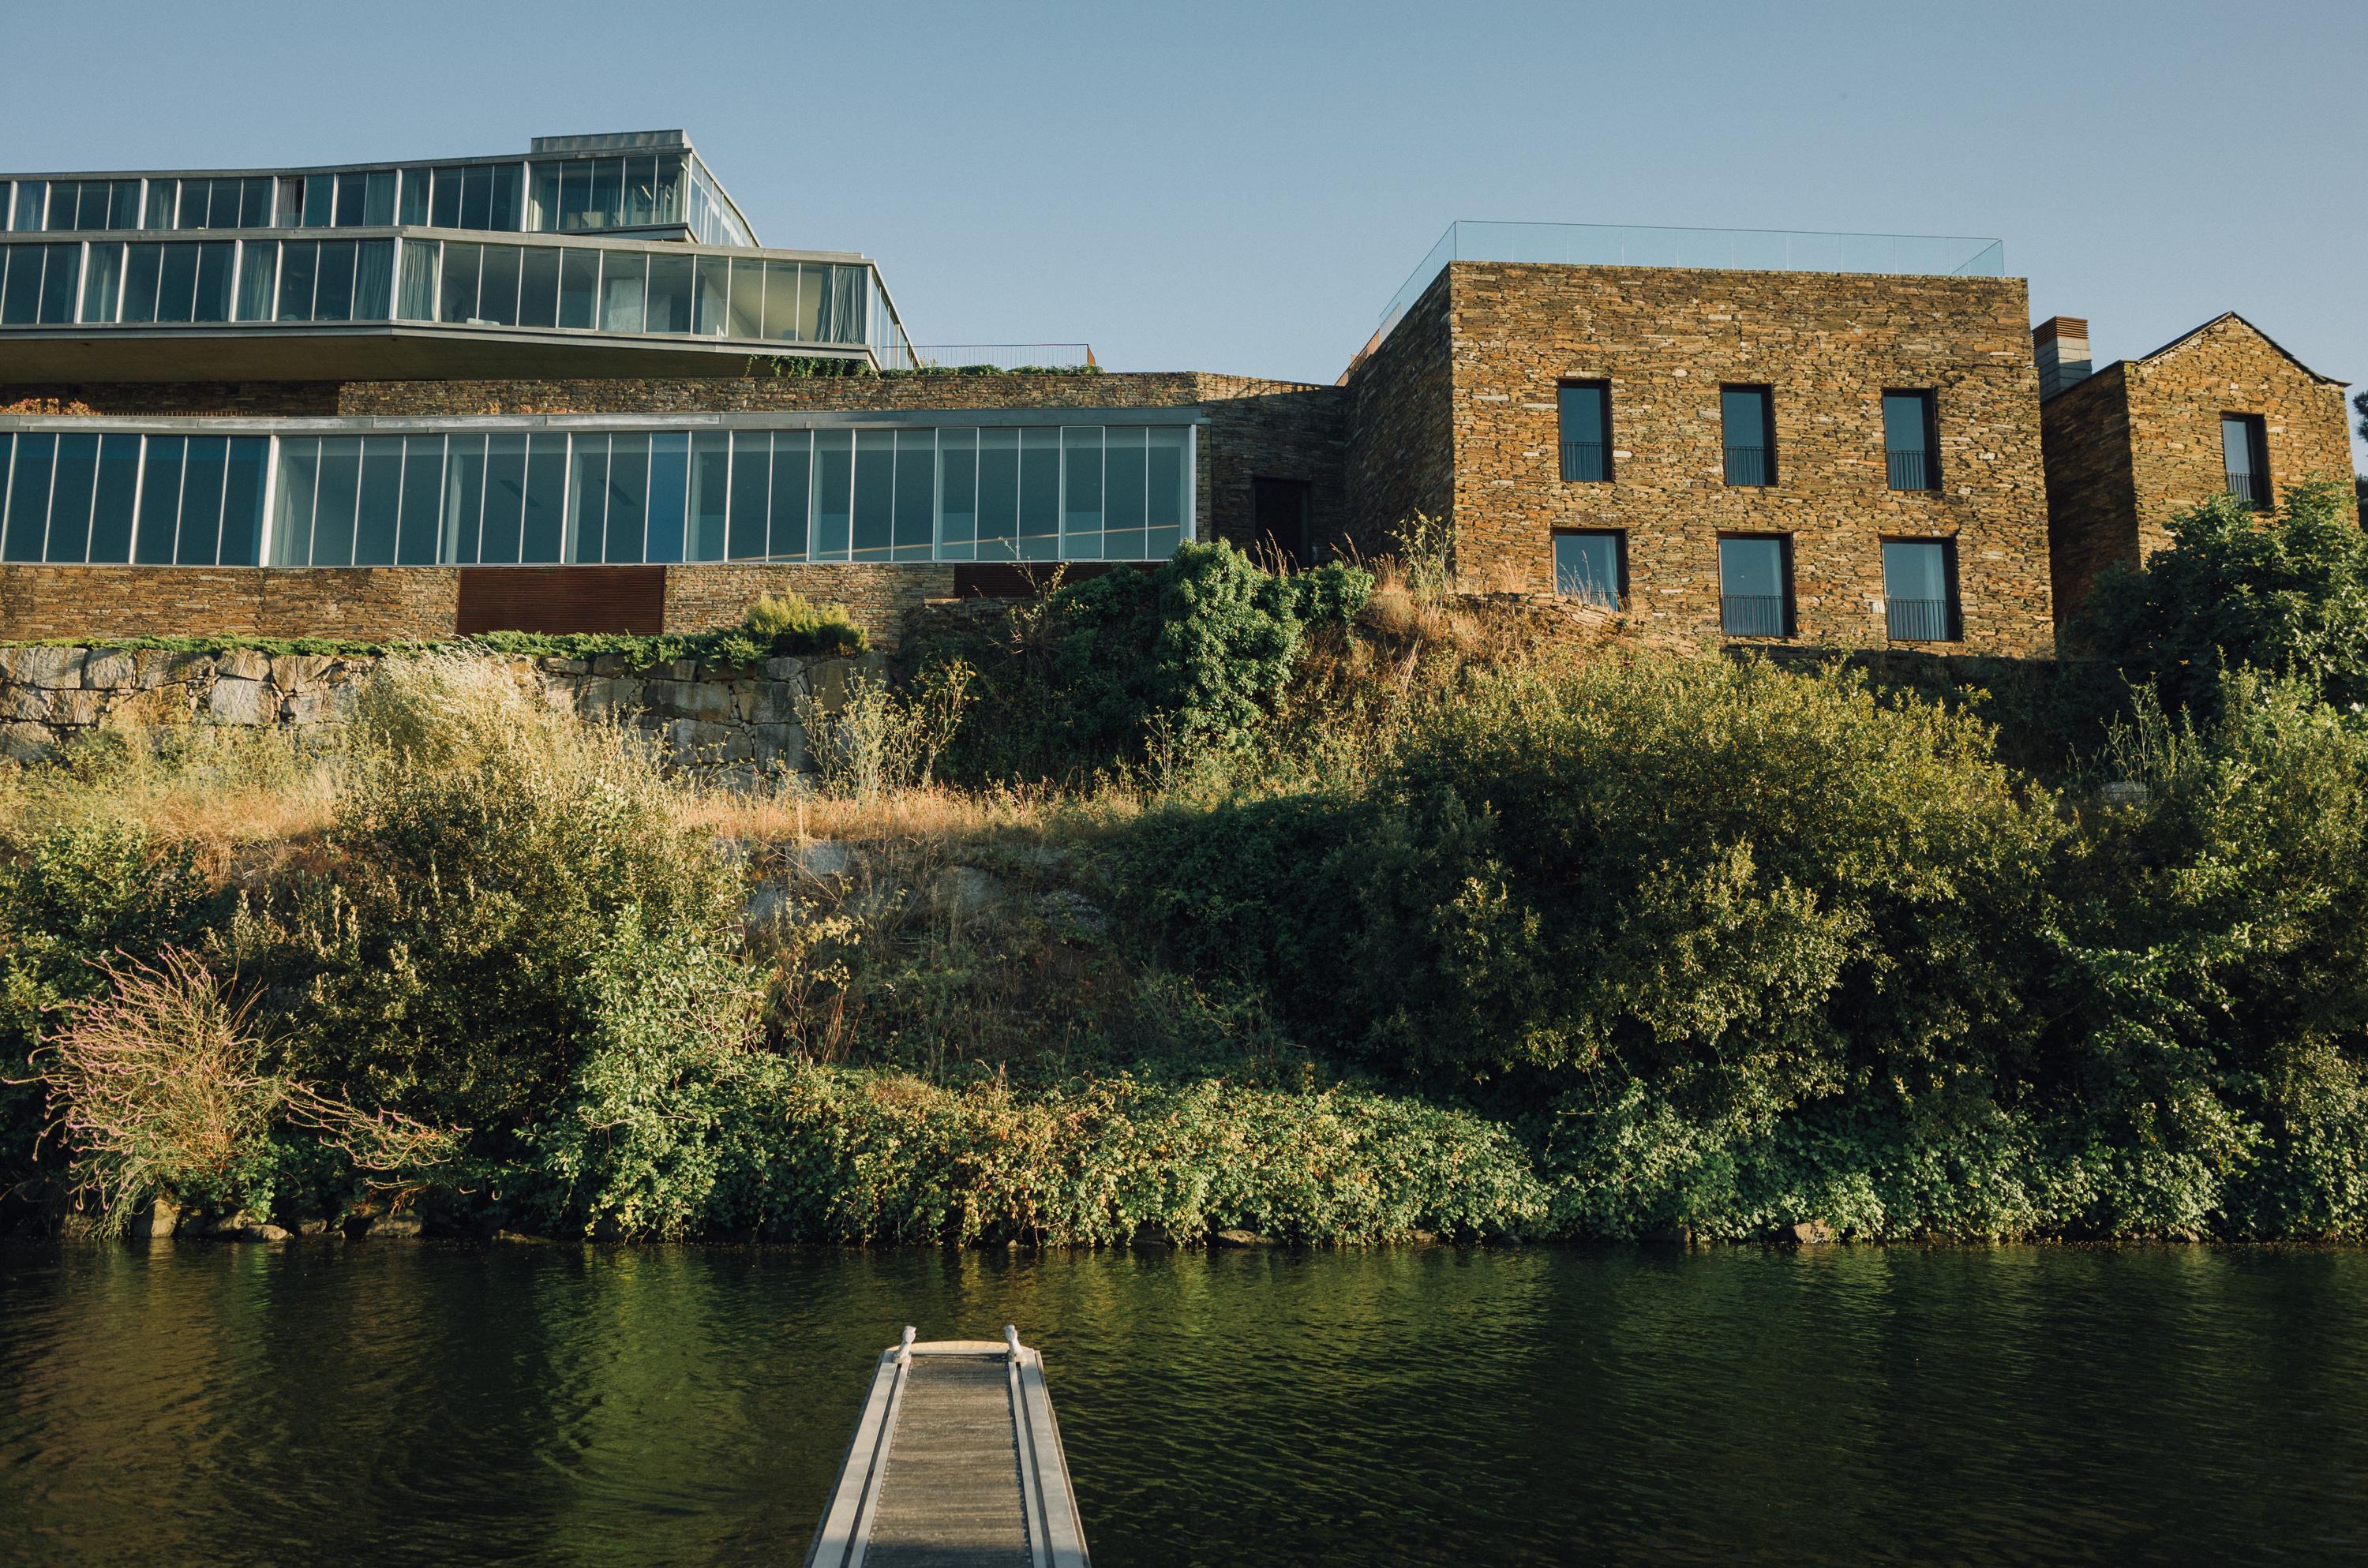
[956, 1462]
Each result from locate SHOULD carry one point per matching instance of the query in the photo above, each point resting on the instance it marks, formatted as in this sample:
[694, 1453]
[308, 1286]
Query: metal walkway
[956, 1463]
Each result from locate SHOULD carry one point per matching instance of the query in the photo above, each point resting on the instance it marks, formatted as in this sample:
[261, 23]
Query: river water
[420, 1403]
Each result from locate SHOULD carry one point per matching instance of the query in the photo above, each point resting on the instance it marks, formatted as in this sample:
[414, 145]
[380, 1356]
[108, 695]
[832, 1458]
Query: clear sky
[1241, 187]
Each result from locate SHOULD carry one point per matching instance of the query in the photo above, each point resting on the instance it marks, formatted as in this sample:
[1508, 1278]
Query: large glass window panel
[1586, 414]
[785, 539]
[957, 527]
[505, 499]
[242, 486]
[542, 196]
[69, 497]
[213, 282]
[1039, 495]
[29, 497]
[423, 492]
[255, 202]
[605, 204]
[579, 288]
[1908, 455]
[102, 283]
[875, 494]
[160, 500]
[916, 487]
[176, 285]
[351, 189]
[32, 200]
[198, 543]
[508, 181]
[1166, 451]
[999, 495]
[118, 492]
[543, 531]
[320, 201]
[747, 299]
[258, 278]
[1920, 590]
[335, 507]
[834, 491]
[669, 306]
[416, 299]
[379, 512]
[464, 496]
[710, 470]
[292, 516]
[1125, 523]
[1587, 566]
[287, 204]
[777, 311]
[628, 496]
[333, 293]
[20, 287]
[1749, 433]
[498, 294]
[1754, 591]
[624, 277]
[669, 483]
[411, 196]
[588, 496]
[538, 286]
[752, 468]
[378, 204]
[1081, 497]
[444, 204]
[665, 189]
[711, 289]
[814, 282]
[457, 292]
[163, 197]
[373, 279]
[300, 260]
[476, 197]
[61, 284]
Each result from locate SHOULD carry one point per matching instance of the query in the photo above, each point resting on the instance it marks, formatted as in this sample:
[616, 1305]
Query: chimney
[2060, 344]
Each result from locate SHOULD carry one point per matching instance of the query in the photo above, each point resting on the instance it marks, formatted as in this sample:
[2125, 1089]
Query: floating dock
[956, 1463]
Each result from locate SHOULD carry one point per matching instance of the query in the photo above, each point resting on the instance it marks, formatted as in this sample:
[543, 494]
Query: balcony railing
[2251, 489]
[1753, 615]
[1584, 462]
[1750, 465]
[1914, 471]
[1920, 621]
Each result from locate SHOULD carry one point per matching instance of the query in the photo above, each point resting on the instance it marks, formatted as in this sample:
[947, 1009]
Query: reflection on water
[421, 1404]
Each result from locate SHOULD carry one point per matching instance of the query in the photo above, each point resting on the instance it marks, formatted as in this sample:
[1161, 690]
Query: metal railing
[1920, 621]
[1585, 462]
[1914, 471]
[1003, 355]
[1754, 615]
[1750, 465]
[2252, 489]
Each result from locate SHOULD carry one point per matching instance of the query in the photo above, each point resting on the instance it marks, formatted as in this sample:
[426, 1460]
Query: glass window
[781, 310]
[351, 190]
[579, 288]
[176, 286]
[335, 505]
[505, 499]
[423, 488]
[457, 294]
[588, 496]
[258, 278]
[957, 527]
[1164, 454]
[998, 496]
[752, 472]
[785, 539]
[243, 484]
[710, 493]
[834, 490]
[1585, 431]
[61, 284]
[1039, 495]
[415, 301]
[669, 481]
[1910, 453]
[213, 282]
[319, 208]
[916, 484]
[666, 190]
[2245, 455]
[255, 202]
[163, 200]
[71, 490]
[20, 289]
[102, 283]
[1081, 497]
[543, 532]
[710, 288]
[1750, 434]
[292, 516]
[605, 203]
[32, 201]
[509, 187]
[373, 279]
[378, 201]
[199, 541]
[411, 196]
[29, 497]
[299, 260]
[160, 500]
[1125, 524]
[378, 515]
[117, 490]
[623, 278]
[629, 489]
[1755, 585]
[444, 203]
[538, 286]
[476, 183]
[464, 497]
[1920, 590]
[288, 208]
[669, 306]
[875, 494]
[498, 293]
[1588, 565]
[333, 293]
[813, 282]
[747, 300]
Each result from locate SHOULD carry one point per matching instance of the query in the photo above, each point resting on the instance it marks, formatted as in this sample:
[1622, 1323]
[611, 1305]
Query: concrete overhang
[372, 351]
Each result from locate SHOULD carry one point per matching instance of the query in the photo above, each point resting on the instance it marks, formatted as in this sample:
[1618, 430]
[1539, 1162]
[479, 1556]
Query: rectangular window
[1920, 590]
[669, 306]
[299, 259]
[538, 286]
[747, 300]
[505, 499]
[579, 288]
[916, 484]
[588, 498]
[464, 497]
[1586, 431]
[785, 539]
[32, 202]
[497, 291]
[629, 499]
[1125, 530]
[957, 496]
[1911, 445]
[119, 488]
[669, 481]
[102, 283]
[1039, 495]
[2245, 453]
[416, 299]
[1165, 491]
[624, 277]
[292, 518]
[834, 489]
[29, 498]
[198, 543]
[258, 278]
[541, 533]
[710, 290]
[70, 499]
[1592, 564]
[752, 471]
[1755, 584]
[379, 515]
[423, 488]
[998, 496]
[711, 494]
[334, 506]
[160, 500]
[1747, 417]
[875, 494]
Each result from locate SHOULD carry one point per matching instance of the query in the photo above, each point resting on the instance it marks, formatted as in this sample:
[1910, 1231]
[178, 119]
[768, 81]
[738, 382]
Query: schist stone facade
[1455, 414]
[2140, 440]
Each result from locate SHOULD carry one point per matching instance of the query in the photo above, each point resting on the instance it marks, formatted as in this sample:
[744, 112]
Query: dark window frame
[1567, 448]
[1929, 459]
[1619, 538]
[1790, 595]
[1952, 586]
[2257, 494]
[1770, 471]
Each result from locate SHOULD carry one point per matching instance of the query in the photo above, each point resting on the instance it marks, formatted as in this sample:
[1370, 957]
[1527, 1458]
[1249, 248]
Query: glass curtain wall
[636, 292]
[1048, 493]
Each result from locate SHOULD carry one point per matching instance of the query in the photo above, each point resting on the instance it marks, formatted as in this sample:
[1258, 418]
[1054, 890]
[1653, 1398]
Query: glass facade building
[343, 493]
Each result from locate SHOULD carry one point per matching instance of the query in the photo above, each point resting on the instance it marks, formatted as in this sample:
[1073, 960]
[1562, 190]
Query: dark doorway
[1280, 516]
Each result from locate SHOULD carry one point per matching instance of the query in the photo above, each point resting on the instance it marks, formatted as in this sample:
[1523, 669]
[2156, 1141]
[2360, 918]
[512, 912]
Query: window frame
[1619, 538]
[1929, 411]
[2259, 496]
[1789, 598]
[1951, 590]
[1598, 384]
[1770, 474]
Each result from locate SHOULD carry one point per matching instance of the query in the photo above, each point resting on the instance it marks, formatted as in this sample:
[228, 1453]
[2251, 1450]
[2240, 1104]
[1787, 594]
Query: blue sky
[1241, 187]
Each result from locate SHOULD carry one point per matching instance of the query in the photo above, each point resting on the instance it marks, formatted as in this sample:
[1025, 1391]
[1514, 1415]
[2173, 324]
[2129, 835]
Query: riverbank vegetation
[1210, 900]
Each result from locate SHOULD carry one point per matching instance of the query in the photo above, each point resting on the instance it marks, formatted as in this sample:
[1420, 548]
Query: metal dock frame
[1034, 1463]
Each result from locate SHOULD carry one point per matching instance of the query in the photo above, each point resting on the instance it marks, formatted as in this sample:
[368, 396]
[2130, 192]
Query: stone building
[2221, 409]
[569, 391]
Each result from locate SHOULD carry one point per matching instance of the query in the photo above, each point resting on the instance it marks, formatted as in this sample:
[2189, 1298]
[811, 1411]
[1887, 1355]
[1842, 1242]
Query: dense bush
[2284, 593]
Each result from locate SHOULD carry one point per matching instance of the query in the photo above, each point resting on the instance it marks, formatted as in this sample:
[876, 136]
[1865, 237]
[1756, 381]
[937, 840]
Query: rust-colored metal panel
[563, 598]
[1024, 579]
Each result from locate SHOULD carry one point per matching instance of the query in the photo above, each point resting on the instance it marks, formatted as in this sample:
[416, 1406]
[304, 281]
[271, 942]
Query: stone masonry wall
[703, 718]
[2092, 501]
[1829, 345]
[1275, 430]
[1401, 443]
[361, 604]
[880, 597]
